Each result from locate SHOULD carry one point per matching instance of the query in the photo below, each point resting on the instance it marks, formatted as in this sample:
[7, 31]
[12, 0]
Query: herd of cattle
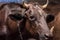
[28, 21]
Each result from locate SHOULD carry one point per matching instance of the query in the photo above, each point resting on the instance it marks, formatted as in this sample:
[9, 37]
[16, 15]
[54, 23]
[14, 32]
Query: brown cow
[7, 25]
[57, 27]
[39, 14]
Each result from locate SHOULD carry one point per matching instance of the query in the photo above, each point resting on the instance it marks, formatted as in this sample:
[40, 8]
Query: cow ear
[49, 18]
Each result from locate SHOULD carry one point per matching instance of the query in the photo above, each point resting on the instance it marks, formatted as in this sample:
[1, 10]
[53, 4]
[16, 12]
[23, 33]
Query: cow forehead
[15, 8]
[35, 11]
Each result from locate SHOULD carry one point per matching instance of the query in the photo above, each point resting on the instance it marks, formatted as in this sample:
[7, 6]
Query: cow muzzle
[50, 36]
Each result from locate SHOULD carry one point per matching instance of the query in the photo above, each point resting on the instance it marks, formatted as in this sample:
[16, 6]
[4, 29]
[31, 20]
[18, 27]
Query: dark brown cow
[7, 25]
[57, 27]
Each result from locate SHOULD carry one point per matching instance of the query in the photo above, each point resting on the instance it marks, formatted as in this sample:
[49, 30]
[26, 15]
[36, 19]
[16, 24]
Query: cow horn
[45, 5]
[25, 5]
[52, 29]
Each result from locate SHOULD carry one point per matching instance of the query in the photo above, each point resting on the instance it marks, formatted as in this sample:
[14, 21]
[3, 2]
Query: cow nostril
[48, 37]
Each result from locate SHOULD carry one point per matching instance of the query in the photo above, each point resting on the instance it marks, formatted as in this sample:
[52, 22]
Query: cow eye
[16, 16]
[32, 18]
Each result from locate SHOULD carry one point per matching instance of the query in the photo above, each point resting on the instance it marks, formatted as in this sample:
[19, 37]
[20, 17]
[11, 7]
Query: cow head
[10, 13]
[37, 16]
